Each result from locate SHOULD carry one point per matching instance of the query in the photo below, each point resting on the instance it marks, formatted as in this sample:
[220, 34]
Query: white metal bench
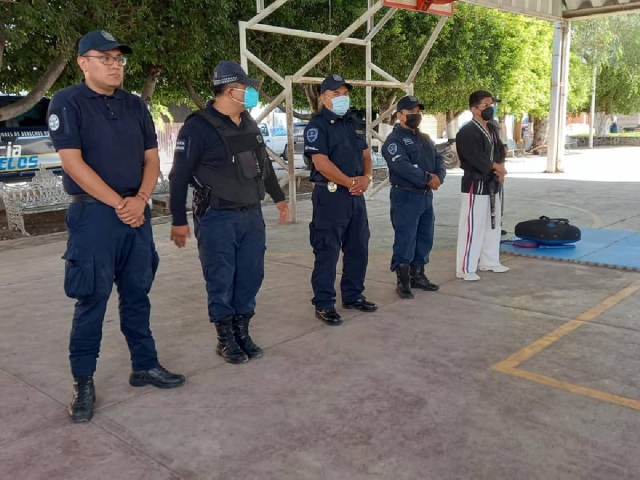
[45, 193]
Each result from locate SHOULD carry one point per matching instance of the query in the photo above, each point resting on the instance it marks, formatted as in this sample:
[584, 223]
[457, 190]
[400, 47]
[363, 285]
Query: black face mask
[413, 120]
[487, 114]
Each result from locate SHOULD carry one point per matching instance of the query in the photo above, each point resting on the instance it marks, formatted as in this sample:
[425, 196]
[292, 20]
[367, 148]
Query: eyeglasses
[108, 59]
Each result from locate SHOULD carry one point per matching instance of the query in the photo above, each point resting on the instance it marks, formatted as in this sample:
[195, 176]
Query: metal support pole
[266, 12]
[592, 110]
[382, 73]
[554, 107]
[426, 49]
[259, 5]
[269, 108]
[243, 46]
[368, 90]
[293, 204]
[304, 34]
[334, 43]
[564, 92]
[383, 21]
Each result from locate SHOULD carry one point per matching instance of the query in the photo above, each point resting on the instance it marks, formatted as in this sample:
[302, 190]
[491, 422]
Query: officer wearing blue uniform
[341, 172]
[416, 169]
[221, 152]
[107, 143]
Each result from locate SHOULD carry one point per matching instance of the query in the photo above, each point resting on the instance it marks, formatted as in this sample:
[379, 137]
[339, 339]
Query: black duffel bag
[548, 231]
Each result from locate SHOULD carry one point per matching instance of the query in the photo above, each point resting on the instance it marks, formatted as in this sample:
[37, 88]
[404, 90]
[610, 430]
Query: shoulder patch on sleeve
[312, 135]
[181, 145]
[392, 148]
[54, 122]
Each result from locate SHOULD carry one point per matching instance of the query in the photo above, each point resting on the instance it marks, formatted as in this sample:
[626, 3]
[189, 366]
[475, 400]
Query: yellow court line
[539, 345]
[571, 387]
[509, 365]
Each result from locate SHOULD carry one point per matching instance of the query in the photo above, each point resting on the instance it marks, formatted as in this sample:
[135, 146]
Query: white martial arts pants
[478, 243]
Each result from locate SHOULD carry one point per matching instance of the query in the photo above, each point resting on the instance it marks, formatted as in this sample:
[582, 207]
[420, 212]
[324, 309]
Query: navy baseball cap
[230, 72]
[333, 82]
[102, 41]
[409, 103]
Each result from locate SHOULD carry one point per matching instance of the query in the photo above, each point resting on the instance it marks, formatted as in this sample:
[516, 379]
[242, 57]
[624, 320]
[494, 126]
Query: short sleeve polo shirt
[112, 132]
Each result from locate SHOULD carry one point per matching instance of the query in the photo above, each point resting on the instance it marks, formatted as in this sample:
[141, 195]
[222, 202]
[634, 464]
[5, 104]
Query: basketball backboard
[418, 5]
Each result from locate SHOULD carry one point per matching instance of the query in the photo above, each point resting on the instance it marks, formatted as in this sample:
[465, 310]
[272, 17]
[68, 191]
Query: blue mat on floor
[605, 248]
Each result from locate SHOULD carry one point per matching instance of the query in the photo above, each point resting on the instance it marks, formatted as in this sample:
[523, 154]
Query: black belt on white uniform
[423, 191]
[85, 197]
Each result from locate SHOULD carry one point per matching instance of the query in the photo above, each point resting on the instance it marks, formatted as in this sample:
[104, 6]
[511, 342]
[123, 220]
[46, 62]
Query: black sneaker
[158, 377]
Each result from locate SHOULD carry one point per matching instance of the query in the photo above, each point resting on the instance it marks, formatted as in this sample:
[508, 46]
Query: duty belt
[331, 186]
[423, 191]
[86, 198]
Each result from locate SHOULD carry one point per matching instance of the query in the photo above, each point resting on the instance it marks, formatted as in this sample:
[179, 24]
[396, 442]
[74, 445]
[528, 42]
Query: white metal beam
[334, 43]
[292, 32]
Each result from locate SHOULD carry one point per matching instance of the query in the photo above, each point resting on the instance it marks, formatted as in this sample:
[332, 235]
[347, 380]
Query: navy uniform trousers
[231, 244]
[339, 222]
[102, 250]
[413, 221]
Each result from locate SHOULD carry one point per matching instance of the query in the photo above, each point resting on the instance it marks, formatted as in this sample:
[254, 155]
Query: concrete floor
[439, 387]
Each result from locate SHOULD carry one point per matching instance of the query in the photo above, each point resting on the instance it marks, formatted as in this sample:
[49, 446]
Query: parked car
[25, 144]
[632, 129]
[275, 138]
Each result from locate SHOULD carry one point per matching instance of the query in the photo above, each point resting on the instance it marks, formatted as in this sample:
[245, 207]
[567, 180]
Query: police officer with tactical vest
[416, 169]
[107, 143]
[221, 152]
[341, 172]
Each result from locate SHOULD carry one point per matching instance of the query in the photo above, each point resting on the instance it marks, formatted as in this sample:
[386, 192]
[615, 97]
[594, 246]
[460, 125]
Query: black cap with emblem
[333, 82]
[102, 41]
[230, 72]
[409, 103]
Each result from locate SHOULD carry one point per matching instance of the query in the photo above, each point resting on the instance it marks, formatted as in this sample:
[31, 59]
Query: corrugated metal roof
[559, 9]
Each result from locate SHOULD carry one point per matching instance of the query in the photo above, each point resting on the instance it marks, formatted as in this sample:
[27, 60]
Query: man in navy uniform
[416, 169]
[107, 143]
[341, 172]
[221, 152]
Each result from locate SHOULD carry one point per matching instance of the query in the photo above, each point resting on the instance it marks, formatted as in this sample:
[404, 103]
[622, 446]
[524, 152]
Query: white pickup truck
[275, 138]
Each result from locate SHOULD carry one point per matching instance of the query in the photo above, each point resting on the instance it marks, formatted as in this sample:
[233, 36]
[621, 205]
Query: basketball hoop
[424, 5]
[436, 7]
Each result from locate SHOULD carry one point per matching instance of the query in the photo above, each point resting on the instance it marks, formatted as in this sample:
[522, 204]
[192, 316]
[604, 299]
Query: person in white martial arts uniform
[482, 158]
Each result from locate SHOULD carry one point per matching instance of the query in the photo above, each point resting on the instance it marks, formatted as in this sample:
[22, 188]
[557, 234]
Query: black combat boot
[84, 396]
[403, 288]
[419, 280]
[241, 335]
[227, 347]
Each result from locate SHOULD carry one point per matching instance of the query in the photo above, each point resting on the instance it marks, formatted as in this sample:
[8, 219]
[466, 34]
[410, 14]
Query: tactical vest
[241, 180]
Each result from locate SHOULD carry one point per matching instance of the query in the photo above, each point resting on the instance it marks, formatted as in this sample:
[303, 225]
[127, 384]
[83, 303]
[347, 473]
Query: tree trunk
[39, 90]
[602, 123]
[540, 131]
[193, 95]
[450, 117]
[385, 104]
[3, 43]
[313, 97]
[153, 73]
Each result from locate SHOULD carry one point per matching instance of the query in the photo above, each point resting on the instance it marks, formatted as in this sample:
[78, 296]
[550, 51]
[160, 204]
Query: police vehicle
[24, 141]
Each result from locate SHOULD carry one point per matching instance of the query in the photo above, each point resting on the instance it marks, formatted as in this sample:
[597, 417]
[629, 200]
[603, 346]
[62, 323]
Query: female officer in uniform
[415, 170]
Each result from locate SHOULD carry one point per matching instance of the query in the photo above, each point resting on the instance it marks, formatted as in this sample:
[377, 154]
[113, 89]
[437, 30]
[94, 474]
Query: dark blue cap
[230, 72]
[102, 41]
[409, 103]
[333, 82]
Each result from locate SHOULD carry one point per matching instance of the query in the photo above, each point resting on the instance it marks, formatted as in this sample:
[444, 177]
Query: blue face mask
[340, 105]
[251, 97]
